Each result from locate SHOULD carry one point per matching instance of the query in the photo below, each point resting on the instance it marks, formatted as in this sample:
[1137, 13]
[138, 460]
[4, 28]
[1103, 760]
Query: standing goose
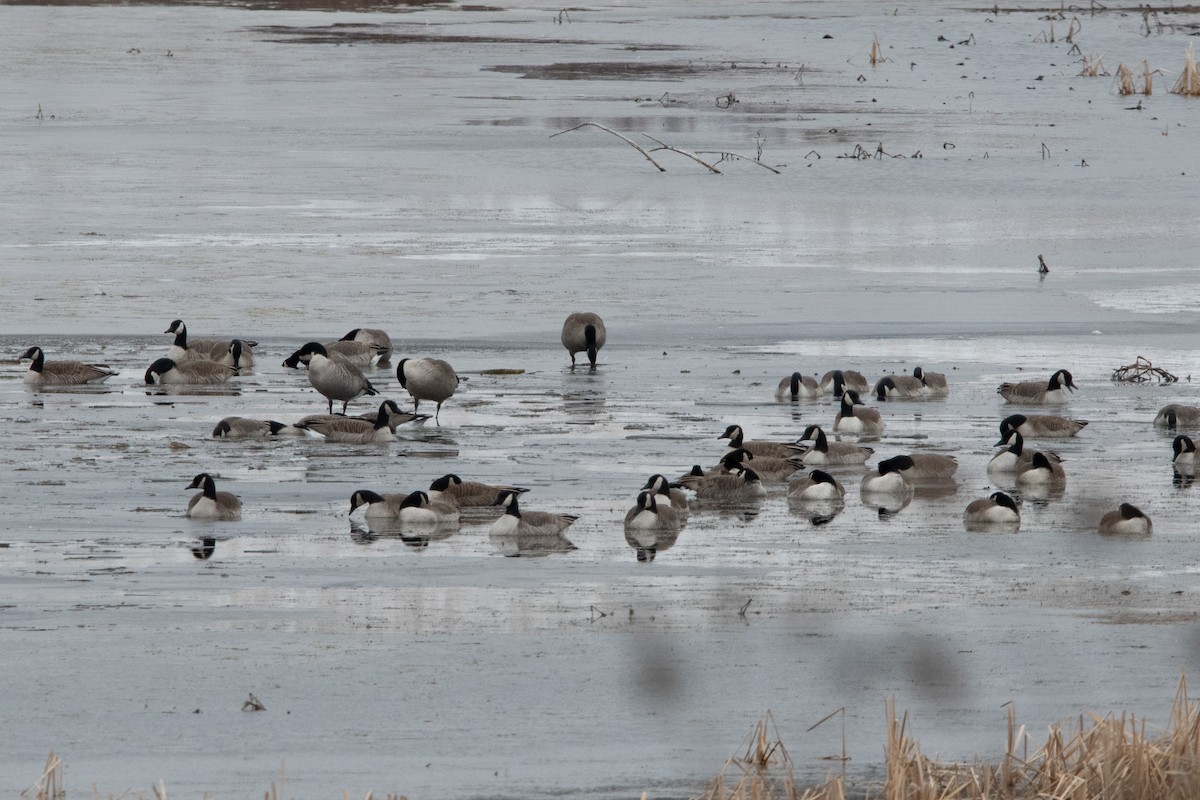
[61, 373]
[419, 509]
[427, 379]
[829, 453]
[758, 447]
[527, 523]
[666, 492]
[797, 387]
[899, 386]
[839, 380]
[1128, 519]
[1184, 454]
[468, 494]
[243, 428]
[935, 382]
[376, 337]
[889, 477]
[350, 430]
[817, 485]
[166, 371]
[647, 514]
[854, 417]
[335, 379]
[995, 511]
[1042, 472]
[1038, 393]
[379, 506]
[211, 504]
[584, 332]
[1042, 426]
[1176, 416]
[742, 486]
[211, 349]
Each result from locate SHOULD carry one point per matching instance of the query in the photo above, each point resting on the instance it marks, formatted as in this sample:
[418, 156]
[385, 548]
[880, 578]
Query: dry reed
[876, 55]
[1189, 80]
[1124, 81]
[1093, 66]
[1142, 371]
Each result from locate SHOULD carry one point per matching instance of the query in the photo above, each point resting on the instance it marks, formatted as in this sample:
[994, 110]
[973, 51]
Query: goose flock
[813, 468]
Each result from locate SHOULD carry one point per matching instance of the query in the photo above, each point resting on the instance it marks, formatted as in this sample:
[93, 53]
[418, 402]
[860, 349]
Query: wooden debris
[253, 704]
[1142, 371]
[1042, 268]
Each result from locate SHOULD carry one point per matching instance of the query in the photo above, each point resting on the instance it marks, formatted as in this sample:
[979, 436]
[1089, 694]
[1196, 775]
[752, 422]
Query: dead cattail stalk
[876, 55]
[1124, 81]
[1189, 80]
[1093, 66]
[48, 786]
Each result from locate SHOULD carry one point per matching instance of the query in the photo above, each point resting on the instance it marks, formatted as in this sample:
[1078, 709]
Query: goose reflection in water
[417, 535]
[204, 548]
[648, 543]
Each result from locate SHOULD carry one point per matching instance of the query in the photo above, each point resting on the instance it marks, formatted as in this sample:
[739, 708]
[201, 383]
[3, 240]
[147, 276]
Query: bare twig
[725, 155]
[621, 136]
[664, 146]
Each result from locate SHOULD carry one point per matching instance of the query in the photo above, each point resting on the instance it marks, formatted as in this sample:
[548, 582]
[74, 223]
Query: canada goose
[829, 453]
[537, 523]
[1042, 471]
[344, 351]
[666, 492]
[243, 428]
[797, 387]
[373, 336]
[211, 349]
[468, 494]
[396, 417]
[854, 417]
[758, 447]
[211, 504]
[164, 371]
[1042, 426]
[1176, 416]
[335, 379]
[1036, 392]
[889, 477]
[816, 485]
[770, 469]
[935, 382]
[61, 373]
[1127, 519]
[350, 430]
[930, 466]
[1184, 453]
[839, 380]
[427, 379]
[647, 514]
[1013, 455]
[583, 332]
[996, 510]
[379, 506]
[418, 508]
[742, 486]
[899, 386]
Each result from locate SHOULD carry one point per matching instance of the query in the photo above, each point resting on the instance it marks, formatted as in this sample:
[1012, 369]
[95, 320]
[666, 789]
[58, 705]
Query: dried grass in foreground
[1106, 758]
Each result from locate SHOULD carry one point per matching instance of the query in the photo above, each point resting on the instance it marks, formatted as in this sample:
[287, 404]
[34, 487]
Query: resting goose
[1037, 392]
[350, 430]
[647, 514]
[61, 373]
[797, 387]
[468, 494]
[758, 447]
[1042, 426]
[827, 453]
[1128, 519]
[996, 510]
[854, 417]
[211, 504]
[243, 428]
[166, 371]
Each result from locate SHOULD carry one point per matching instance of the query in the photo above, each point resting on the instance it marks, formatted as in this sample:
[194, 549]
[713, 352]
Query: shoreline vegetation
[1114, 757]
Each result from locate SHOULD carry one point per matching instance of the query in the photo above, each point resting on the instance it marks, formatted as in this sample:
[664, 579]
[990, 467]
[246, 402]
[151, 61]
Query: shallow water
[291, 185]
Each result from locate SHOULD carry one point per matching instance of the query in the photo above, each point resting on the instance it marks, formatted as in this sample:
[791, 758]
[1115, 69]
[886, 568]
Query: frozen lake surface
[287, 175]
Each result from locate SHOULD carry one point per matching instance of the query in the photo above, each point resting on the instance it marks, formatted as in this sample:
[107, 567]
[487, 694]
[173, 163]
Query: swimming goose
[373, 336]
[816, 486]
[995, 511]
[1184, 453]
[797, 387]
[335, 379]
[830, 453]
[468, 494]
[418, 508]
[899, 386]
[199, 371]
[770, 469]
[211, 504]
[935, 382]
[930, 466]
[1013, 455]
[742, 486]
[211, 349]
[666, 492]
[1176, 416]
[243, 428]
[538, 523]
[758, 447]
[62, 373]
[854, 417]
[647, 514]
[839, 380]
[350, 430]
[427, 379]
[1042, 426]
[379, 506]
[1126, 520]
[584, 332]
[889, 477]
[1042, 471]
[1036, 392]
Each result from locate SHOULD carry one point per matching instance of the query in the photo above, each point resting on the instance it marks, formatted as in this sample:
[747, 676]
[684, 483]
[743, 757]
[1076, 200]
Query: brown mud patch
[350, 33]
